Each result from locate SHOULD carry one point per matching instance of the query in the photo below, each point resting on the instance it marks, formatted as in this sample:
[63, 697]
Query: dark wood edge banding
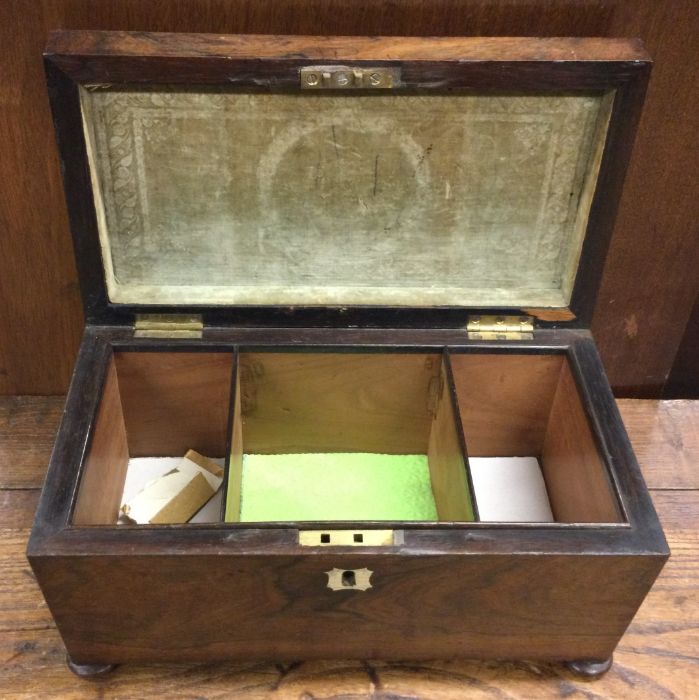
[379, 48]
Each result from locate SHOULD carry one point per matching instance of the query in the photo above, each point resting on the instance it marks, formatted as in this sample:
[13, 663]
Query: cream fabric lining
[408, 200]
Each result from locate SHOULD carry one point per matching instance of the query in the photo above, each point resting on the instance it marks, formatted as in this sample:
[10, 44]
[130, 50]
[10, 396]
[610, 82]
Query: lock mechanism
[345, 77]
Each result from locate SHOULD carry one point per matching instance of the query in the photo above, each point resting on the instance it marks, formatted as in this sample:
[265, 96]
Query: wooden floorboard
[665, 437]
[657, 658]
[27, 428]
[21, 603]
[17, 507]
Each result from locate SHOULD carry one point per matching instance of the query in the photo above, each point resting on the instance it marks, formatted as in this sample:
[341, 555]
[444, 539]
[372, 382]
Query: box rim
[53, 535]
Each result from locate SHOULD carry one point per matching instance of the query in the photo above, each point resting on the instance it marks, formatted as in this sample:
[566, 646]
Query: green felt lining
[336, 486]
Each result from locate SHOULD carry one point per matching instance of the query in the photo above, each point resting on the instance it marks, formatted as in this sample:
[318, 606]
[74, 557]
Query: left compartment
[154, 405]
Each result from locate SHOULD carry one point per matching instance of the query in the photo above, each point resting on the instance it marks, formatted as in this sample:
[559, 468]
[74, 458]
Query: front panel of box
[417, 606]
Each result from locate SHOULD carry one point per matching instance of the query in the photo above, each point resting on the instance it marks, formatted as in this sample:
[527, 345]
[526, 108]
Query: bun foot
[590, 669]
[89, 670]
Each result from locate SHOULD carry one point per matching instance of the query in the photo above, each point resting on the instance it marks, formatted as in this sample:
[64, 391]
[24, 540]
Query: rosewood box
[367, 266]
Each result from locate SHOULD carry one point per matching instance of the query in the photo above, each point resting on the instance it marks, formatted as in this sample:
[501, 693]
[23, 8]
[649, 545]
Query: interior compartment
[354, 436]
[345, 436]
[529, 405]
[154, 405]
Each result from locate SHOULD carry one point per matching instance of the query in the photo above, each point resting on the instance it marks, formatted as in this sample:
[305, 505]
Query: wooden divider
[447, 459]
[233, 483]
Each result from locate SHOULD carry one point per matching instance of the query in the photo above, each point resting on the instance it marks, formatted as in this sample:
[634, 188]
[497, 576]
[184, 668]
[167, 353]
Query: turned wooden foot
[89, 670]
[590, 669]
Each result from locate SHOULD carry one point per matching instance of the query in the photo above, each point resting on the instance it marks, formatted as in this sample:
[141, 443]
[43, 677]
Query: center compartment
[346, 436]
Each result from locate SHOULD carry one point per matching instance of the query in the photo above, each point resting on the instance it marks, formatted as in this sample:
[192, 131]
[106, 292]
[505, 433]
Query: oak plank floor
[657, 658]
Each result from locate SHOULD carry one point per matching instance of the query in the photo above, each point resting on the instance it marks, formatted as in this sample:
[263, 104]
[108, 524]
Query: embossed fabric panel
[293, 199]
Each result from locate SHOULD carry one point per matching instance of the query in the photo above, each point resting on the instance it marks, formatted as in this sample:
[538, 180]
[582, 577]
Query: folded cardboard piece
[174, 497]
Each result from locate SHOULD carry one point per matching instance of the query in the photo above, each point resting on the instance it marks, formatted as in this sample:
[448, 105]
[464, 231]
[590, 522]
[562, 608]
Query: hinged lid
[394, 180]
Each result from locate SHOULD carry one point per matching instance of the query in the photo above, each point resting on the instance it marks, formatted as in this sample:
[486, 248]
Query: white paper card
[142, 470]
[510, 490]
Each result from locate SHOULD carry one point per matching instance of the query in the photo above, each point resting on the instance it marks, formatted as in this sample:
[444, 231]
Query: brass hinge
[168, 326]
[344, 78]
[500, 327]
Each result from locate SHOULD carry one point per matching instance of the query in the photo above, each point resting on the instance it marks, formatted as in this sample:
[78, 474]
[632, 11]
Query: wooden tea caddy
[261, 226]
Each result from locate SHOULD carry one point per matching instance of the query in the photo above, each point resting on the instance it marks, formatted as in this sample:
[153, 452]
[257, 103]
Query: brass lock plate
[346, 77]
[350, 538]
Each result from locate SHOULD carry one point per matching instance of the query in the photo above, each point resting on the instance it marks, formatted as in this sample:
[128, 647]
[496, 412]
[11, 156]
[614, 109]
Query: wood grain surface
[28, 427]
[382, 48]
[683, 382]
[102, 483]
[657, 658]
[576, 477]
[174, 402]
[505, 401]
[446, 454]
[336, 402]
[649, 283]
[665, 436]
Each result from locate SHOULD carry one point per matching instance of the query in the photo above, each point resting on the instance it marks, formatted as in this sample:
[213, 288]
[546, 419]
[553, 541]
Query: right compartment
[530, 441]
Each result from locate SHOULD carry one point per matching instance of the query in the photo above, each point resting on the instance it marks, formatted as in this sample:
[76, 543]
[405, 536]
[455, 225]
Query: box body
[385, 365]
[240, 590]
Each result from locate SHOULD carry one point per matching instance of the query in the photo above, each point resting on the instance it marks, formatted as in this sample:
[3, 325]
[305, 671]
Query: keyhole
[348, 579]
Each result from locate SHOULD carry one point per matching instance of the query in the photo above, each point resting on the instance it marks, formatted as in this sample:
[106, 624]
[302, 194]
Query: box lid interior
[203, 176]
[221, 198]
